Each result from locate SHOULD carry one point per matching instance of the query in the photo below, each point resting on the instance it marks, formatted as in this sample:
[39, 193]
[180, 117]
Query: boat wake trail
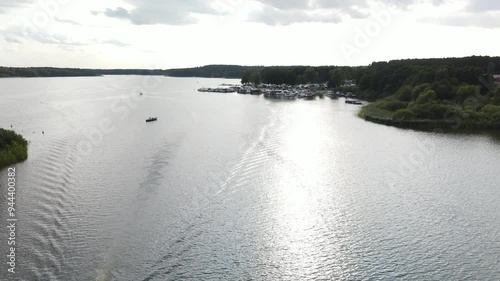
[125, 233]
[193, 224]
[51, 216]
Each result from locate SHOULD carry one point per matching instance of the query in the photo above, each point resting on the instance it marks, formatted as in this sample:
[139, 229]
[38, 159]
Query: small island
[13, 148]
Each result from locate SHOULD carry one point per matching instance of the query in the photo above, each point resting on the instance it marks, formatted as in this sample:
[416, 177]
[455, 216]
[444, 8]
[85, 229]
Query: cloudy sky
[185, 33]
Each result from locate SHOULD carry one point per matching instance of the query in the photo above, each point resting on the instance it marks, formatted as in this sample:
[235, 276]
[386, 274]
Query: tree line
[71, 72]
[296, 75]
[382, 79]
[378, 79]
[208, 71]
[213, 71]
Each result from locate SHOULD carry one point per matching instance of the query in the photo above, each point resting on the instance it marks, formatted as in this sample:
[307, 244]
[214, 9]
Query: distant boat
[309, 95]
[290, 95]
[255, 92]
[353, 102]
[140, 94]
[151, 119]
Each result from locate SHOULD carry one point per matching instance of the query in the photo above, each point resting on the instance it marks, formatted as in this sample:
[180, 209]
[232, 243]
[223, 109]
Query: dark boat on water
[151, 119]
[353, 102]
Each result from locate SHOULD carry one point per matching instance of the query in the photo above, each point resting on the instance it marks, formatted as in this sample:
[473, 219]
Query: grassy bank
[13, 148]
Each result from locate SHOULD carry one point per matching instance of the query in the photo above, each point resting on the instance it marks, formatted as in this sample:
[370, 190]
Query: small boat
[255, 92]
[309, 95]
[151, 119]
[140, 94]
[353, 102]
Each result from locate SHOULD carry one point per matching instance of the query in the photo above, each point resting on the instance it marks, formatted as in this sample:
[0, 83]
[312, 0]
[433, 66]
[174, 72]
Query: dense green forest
[383, 79]
[379, 79]
[294, 75]
[434, 93]
[13, 148]
[213, 71]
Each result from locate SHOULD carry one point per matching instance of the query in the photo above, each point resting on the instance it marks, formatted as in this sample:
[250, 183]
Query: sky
[156, 34]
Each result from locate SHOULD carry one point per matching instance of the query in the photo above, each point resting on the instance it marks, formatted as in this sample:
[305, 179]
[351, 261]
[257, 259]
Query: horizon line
[242, 65]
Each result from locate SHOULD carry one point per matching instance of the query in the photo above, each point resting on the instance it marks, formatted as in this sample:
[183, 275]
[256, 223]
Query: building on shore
[497, 79]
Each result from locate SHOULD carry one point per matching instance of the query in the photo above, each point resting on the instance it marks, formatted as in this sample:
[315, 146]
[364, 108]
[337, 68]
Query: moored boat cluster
[218, 90]
[308, 91]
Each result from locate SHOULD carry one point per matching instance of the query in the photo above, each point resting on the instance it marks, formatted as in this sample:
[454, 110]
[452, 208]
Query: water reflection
[304, 198]
[305, 237]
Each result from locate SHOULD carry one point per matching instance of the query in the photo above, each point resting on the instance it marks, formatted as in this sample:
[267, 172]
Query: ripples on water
[233, 187]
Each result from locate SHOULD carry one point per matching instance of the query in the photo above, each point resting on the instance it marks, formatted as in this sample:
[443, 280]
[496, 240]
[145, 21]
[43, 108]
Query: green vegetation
[383, 79]
[13, 148]
[335, 76]
[441, 93]
[213, 71]
[71, 72]
[209, 71]
[416, 93]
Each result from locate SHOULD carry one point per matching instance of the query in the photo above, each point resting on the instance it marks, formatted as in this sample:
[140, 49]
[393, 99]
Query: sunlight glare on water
[240, 187]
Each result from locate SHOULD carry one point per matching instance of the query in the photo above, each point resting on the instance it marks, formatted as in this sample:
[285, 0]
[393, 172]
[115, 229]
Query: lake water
[238, 187]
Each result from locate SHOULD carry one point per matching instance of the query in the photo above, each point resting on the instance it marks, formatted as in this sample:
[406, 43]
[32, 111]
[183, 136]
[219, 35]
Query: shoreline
[455, 124]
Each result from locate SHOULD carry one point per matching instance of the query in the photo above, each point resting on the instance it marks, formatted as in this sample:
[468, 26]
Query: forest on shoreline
[454, 93]
[13, 148]
[415, 93]
[209, 71]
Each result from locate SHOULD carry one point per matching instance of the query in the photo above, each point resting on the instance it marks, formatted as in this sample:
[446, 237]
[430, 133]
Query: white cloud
[174, 12]
[114, 42]
[66, 21]
[486, 20]
[12, 39]
[483, 6]
[117, 13]
[273, 16]
[14, 3]
[287, 12]
[175, 33]
[483, 13]
[6, 5]
[41, 36]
